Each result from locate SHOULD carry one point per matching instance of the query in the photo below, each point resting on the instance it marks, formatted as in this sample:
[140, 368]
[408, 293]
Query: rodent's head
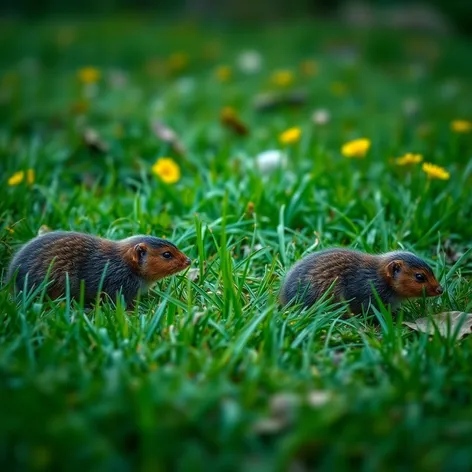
[410, 276]
[155, 258]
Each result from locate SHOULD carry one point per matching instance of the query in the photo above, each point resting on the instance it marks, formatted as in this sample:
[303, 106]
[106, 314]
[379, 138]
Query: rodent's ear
[394, 268]
[140, 251]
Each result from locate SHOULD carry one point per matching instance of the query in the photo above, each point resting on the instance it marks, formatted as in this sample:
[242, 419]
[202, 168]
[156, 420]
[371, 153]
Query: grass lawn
[209, 372]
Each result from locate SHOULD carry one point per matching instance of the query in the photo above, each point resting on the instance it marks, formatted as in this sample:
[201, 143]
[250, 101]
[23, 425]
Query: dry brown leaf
[273, 101]
[193, 274]
[453, 254]
[230, 119]
[284, 407]
[43, 229]
[168, 135]
[318, 398]
[93, 141]
[445, 323]
[268, 426]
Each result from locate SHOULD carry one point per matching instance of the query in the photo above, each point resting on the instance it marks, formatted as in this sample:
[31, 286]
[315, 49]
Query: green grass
[212, 374]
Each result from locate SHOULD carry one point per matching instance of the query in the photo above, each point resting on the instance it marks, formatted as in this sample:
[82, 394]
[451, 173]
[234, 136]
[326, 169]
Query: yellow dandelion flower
[167, 170]
[30, 175]
[19, 176]
[16, 178]
[177, 61]
[409, 158]
[356, 148]
[282, 78]
[290, 136]
[309, 68]
[223, 73]
[89, 75]
[461, 126]
[435, 172]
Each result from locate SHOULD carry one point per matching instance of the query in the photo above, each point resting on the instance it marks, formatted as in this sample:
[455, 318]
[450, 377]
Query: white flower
[321, 116]
[249, 61]
[268, 161]
[185, 85]
[118, 79]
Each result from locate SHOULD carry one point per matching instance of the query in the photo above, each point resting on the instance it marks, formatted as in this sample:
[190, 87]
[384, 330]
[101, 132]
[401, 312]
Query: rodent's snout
[188, 261]
[439, 289]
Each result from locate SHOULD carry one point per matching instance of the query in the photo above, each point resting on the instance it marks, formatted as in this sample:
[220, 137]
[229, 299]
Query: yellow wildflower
[309, 68]
[19, 176]
[435, 172]
[409, 158]
[356, 148]
[167, 170]
[16, 178]
[290, 136]
[177, 61]
[461, 126]
[282, 78]
[223, 73]
[89, 75]
[30, 176]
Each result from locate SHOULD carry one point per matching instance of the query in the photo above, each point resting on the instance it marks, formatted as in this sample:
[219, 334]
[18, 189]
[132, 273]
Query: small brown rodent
[395, 276]
[132, 264]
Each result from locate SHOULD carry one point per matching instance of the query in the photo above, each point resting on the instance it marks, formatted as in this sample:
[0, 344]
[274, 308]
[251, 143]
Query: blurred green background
[457, 12]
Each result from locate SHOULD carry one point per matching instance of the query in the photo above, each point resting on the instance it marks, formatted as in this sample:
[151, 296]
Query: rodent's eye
[420, 277]
[167, 255]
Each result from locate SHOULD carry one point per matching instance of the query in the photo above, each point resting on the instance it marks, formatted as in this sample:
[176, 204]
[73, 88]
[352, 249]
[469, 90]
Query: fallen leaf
[43, 229]
[284, 408]
[230, 119]
[452, 252]
[247, 249]
[193, 274]
[168, 135]
[268, 426]
[93, 141]
[317, 398]
[445, 324]
[273, 101]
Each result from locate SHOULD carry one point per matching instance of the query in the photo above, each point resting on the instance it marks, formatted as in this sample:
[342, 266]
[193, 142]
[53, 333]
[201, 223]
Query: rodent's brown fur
[132, 265]
[353, 273]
